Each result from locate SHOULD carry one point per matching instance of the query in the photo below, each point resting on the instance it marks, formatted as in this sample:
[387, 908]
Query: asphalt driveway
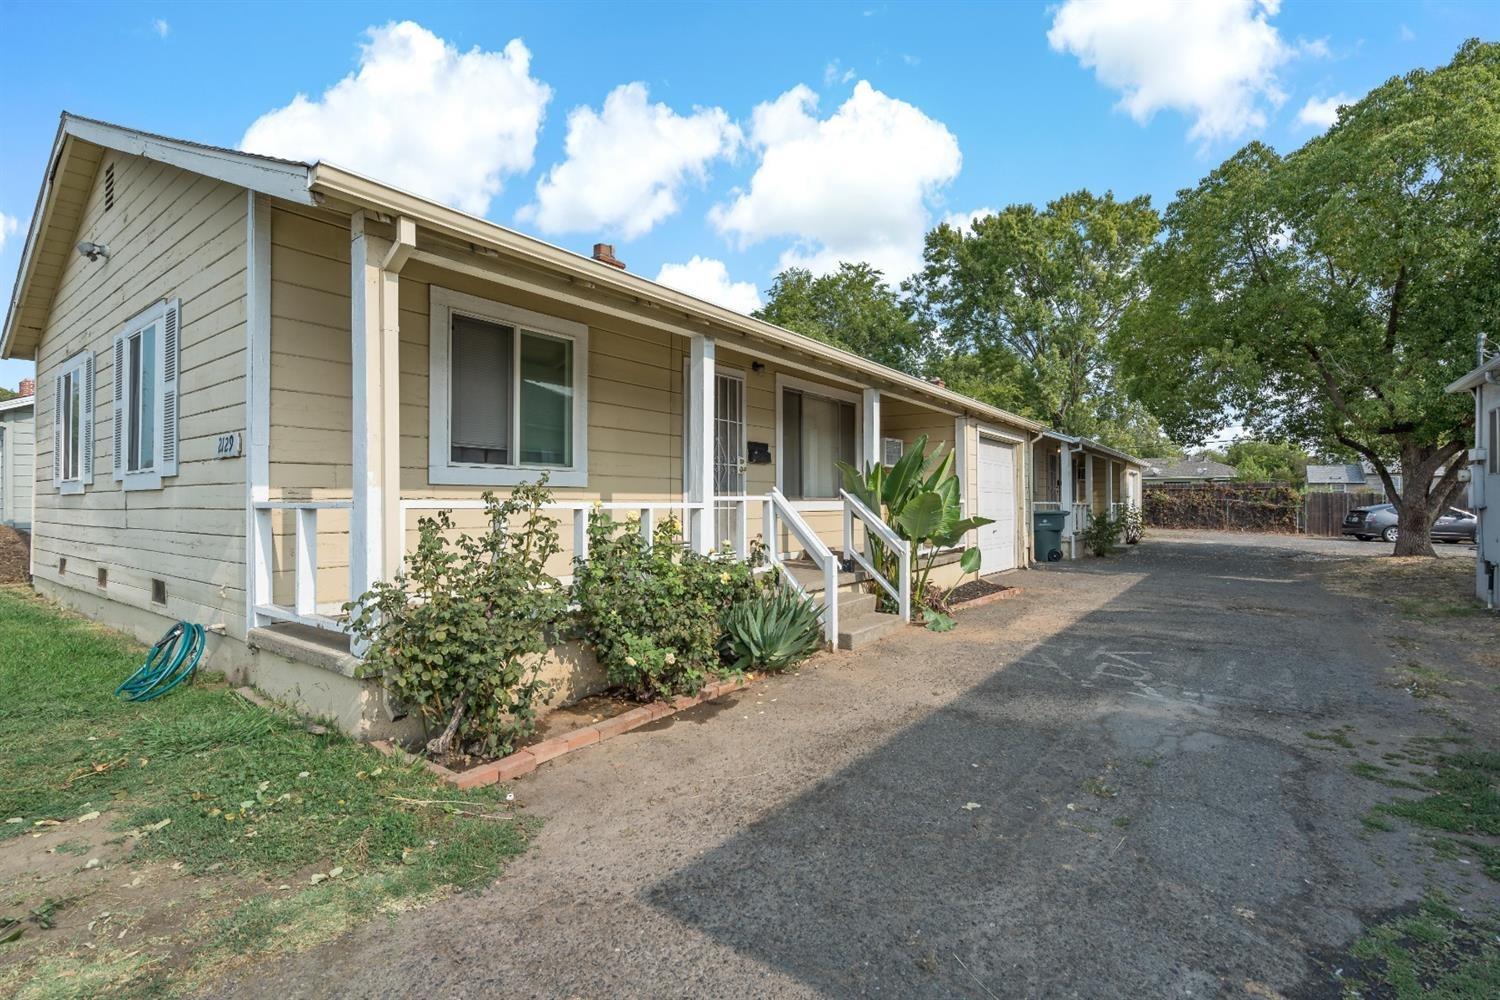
[1107, 786]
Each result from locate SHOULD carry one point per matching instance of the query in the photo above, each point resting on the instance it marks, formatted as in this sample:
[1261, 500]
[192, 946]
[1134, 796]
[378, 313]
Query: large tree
[1258, 461]
[1032, 295]
[1329, 295]
[852, 308]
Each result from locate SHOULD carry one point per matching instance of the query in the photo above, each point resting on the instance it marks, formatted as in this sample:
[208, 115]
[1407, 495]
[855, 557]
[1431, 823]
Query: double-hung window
[508, 394]
[145, 397]
[819, 429]
[73, 424]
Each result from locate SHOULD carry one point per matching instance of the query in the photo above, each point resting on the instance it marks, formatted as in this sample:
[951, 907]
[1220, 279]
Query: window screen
[483, 360]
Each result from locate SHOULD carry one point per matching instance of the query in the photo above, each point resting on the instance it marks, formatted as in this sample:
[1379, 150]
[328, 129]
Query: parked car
[1379, 521]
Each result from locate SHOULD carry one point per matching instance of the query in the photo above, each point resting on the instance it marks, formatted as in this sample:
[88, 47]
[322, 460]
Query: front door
[729, 455]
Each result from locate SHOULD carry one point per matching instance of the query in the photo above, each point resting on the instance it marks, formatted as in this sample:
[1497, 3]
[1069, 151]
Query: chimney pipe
[604, 253]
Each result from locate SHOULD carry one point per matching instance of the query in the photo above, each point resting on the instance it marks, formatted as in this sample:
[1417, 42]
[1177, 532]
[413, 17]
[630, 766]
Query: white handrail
[778, 507]
[901, 590]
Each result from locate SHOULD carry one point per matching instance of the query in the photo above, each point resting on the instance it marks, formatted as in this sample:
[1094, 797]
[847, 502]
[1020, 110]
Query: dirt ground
[1143, 776]
[15, 556]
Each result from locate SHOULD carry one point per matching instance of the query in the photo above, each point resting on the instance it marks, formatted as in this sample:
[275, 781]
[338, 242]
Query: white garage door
[997, 500]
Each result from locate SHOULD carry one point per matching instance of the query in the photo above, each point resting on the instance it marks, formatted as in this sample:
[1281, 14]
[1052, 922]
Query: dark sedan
[1379, 521]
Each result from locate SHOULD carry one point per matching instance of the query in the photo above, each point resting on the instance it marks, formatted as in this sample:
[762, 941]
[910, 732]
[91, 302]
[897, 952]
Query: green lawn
[205, 782]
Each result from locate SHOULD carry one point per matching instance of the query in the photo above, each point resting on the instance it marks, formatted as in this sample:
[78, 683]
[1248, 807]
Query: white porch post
[1088, 483]
[1109, 485]
[1065, 471]
[698, 449]
[872, 454]
[257, 441]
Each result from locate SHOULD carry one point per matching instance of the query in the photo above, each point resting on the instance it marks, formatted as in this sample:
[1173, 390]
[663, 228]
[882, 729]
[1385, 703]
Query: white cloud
[855, 186]
[709, 279]
[9, 226]
[1214, 60]
[835, 73]
[1321, 112]
[626, 164]
[161, 27]
[964, 221]
[421, 115]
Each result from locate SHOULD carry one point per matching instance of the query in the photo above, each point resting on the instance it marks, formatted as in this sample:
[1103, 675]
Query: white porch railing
[305, 608]
[778, 509]
[1046, 505]
[900, 591]
[1081, 517]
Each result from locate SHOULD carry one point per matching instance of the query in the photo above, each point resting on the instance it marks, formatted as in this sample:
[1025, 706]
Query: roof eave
[1478, 376]
[337, 183]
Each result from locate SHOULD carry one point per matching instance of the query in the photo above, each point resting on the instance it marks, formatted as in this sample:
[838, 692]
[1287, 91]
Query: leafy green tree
[1268, 462]
[1328, 296]
[1031, 296]
[852, 308]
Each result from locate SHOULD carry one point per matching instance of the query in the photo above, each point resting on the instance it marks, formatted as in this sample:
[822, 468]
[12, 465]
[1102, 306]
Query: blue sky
[745, 136]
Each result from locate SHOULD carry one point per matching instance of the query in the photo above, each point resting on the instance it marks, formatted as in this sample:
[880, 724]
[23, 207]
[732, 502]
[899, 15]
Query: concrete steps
[859, 623]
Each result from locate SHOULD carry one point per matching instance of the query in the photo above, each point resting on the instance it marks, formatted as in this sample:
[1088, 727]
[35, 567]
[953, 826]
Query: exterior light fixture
[93, 251]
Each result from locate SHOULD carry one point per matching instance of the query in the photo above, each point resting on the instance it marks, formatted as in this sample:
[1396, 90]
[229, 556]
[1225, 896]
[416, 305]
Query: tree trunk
[1417, 506]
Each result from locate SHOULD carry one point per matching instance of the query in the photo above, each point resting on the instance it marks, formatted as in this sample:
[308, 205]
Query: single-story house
[1100, 479]
[17, 456]
[1189, 471]
[256, 375]
[1361, 477]
[1484, 474]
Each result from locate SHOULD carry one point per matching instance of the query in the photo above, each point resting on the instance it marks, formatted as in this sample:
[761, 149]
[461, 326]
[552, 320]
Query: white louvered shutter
[57, 431]
[118, 422]
[171, 356]
[86, 432]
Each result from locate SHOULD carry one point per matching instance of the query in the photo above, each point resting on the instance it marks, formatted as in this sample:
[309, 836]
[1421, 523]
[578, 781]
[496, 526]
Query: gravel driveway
[1108, 786]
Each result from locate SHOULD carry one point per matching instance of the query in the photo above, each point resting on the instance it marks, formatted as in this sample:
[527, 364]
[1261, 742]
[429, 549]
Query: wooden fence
[1325, 511]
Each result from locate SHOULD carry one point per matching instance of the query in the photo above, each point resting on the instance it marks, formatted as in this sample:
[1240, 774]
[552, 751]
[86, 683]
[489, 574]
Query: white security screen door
[729, 455]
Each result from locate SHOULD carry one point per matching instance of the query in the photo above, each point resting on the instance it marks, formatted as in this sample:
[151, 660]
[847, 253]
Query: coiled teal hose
[171, 661]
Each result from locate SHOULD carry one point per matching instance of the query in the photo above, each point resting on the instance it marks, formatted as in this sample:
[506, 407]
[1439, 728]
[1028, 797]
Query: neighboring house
[17, 456]
[1484, 475]
[1192, 470]
[1101, 479]
[255, 375]
[1349, 478]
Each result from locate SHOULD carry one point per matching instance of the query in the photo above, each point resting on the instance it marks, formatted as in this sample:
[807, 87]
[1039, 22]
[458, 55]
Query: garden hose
[171, 661]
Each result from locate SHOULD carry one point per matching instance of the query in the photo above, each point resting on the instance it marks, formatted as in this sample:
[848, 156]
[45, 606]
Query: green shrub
[460, 632]
[1100, 536]
[651, 610]
[771, 631]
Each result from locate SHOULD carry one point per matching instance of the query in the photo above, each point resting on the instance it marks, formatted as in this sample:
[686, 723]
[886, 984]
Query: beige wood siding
[17, 465]
[171, 234]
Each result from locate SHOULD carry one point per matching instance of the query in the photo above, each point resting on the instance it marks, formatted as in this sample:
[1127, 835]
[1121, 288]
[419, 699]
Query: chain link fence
[1273, 507]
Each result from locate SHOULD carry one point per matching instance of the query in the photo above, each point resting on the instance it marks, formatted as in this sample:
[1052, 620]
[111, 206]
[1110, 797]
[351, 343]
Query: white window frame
[166, 314]
[441, 469]
[80, 368]
[811, 388]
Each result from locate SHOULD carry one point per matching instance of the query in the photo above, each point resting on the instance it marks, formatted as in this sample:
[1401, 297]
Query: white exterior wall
[1484, 494]
[17, 465]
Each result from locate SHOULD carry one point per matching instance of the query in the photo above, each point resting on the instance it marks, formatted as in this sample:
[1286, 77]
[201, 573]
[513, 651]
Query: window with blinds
[817, 433]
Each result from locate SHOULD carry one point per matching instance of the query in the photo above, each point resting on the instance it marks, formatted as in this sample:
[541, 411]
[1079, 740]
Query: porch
[404, 375]
[1084, 478]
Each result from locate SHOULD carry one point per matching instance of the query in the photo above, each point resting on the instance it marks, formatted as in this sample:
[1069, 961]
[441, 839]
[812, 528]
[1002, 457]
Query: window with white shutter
[144, 374]
[73, 424]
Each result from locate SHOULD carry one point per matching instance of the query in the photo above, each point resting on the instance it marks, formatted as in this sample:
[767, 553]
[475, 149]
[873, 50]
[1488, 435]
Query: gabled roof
[1191, 467]
[57, 217]
[1090, 444]
[76, 154]
[1353, 473]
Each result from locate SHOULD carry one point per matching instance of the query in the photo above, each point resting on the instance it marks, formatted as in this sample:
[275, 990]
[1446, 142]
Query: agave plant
[771, 631]
[919, 497]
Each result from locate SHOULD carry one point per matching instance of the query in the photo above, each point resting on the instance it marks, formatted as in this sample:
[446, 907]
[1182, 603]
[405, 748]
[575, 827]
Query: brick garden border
[525, 761]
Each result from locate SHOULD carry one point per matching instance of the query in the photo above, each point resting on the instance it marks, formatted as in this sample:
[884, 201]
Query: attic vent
[109, 187]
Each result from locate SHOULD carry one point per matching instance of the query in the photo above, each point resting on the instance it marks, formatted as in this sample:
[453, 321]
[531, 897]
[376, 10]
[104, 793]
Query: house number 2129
[227, 445]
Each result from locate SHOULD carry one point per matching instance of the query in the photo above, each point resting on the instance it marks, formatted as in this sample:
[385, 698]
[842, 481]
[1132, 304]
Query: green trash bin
[1048, 528]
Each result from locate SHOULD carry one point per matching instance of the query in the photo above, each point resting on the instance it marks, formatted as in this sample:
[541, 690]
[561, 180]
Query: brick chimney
[604, 253]
[27, 387]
